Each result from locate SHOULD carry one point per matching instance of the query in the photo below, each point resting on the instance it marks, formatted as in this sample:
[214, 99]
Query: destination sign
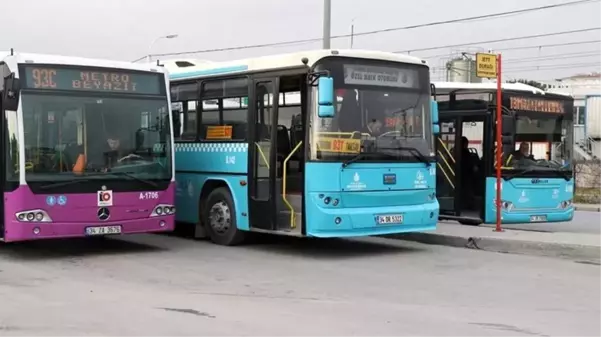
[339, 145]
[380, 76]
[536, 104]
[82, 79]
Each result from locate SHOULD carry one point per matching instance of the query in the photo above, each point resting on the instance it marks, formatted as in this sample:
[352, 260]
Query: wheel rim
[220, 218]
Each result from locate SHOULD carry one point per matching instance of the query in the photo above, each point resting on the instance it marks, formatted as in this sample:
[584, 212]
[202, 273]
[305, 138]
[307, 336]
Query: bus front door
[446, 172]
[262, 155]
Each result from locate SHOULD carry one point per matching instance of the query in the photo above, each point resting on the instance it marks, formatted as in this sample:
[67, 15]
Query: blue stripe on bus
[214, 71]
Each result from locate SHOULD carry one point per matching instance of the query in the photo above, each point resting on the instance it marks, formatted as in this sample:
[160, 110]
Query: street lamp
[327, 23]
[352, 31]
[170, 36]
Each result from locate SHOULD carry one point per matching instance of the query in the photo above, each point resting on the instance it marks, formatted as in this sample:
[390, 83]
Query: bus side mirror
[508, 126]
[434, 113]
[325, 97]
[10, 95]
[507, 130]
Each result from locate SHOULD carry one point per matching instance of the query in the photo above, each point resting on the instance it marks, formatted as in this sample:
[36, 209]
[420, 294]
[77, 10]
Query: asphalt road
[165, 285]
[584, 222]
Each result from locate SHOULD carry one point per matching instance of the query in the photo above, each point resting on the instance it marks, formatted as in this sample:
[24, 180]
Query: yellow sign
[219, 132]
[486, 65]
[339, 145]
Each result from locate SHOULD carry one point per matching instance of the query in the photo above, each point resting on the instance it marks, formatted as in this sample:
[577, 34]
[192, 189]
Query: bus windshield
[543, 143]
[69, 137]
[382, 109]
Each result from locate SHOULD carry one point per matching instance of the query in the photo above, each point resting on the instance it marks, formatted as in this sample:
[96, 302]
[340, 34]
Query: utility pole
[352, 32]
[327, 23]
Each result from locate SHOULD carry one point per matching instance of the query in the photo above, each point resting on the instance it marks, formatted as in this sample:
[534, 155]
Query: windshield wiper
[523, 172]
[517, 174]
[418, 155]
[80, 180]
[415, 152]
[363, 155]
[64, 183]
[133, 177]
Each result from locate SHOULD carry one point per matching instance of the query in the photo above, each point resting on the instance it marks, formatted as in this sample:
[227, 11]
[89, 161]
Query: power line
[429, 24]
[503, 40]
[524, 48]
[472, 18]
[553, 67]
[554, 58]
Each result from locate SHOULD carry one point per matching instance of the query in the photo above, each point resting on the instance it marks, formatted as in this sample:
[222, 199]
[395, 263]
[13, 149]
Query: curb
[548, 249]
[588, 208]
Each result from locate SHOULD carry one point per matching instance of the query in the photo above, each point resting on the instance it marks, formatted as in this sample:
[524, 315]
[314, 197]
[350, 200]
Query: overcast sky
[124, 29]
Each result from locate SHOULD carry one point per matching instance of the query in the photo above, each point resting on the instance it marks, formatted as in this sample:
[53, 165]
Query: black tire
[229, 236]
[470, 223]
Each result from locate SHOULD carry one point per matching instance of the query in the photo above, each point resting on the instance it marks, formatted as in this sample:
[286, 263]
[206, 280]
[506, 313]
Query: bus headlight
[161, 210]
[505, 205]
[565, 204]
[34, 215]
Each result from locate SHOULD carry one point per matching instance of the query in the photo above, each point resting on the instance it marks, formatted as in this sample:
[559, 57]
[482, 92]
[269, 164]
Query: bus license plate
[104, 230]
[538, 218]
[389, 219]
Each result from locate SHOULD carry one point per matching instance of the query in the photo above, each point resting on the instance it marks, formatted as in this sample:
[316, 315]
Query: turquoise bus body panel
[363, 194]
[197, 163]
[530, 197]
[363, 190]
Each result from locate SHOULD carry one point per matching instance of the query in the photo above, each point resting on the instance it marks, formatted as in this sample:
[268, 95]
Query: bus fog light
[36, 230]
[34, 215]
[338, 220]
[162, 223]
[162, 210]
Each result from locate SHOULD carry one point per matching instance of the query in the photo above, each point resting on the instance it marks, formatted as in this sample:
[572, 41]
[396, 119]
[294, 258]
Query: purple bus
[86, 146]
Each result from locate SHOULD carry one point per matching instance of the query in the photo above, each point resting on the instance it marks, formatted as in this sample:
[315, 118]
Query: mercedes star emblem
[103, 213]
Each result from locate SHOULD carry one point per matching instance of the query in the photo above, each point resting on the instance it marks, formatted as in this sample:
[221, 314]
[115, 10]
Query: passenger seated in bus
[469, 169]
[375, 127]
[469, 160]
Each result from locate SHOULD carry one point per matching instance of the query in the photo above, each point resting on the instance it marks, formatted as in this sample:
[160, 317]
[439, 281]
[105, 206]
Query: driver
[115, 153]
[523, 152]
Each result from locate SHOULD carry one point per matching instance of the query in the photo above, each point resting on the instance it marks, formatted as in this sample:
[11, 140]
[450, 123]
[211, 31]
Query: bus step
[284, 222]
[295, 200]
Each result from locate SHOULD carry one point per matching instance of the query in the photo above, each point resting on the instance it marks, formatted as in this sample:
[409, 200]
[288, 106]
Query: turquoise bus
[326, 143]
[537, 149]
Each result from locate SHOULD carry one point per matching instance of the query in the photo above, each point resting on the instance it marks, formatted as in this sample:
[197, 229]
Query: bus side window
[224, 103]
[184, 97]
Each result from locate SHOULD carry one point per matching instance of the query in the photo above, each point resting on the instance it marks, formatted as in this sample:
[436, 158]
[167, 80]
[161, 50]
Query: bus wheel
[470, 222]
[220, 218]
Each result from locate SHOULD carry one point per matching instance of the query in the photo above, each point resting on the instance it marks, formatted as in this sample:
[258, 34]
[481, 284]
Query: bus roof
[444, 88]
[31, 58]
[189, 69]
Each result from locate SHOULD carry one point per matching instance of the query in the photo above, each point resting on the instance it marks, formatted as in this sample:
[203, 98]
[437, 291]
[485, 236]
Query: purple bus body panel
[129, 210]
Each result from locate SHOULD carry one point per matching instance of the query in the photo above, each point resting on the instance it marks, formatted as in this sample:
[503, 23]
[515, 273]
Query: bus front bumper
[24, 231]
[354, 222]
